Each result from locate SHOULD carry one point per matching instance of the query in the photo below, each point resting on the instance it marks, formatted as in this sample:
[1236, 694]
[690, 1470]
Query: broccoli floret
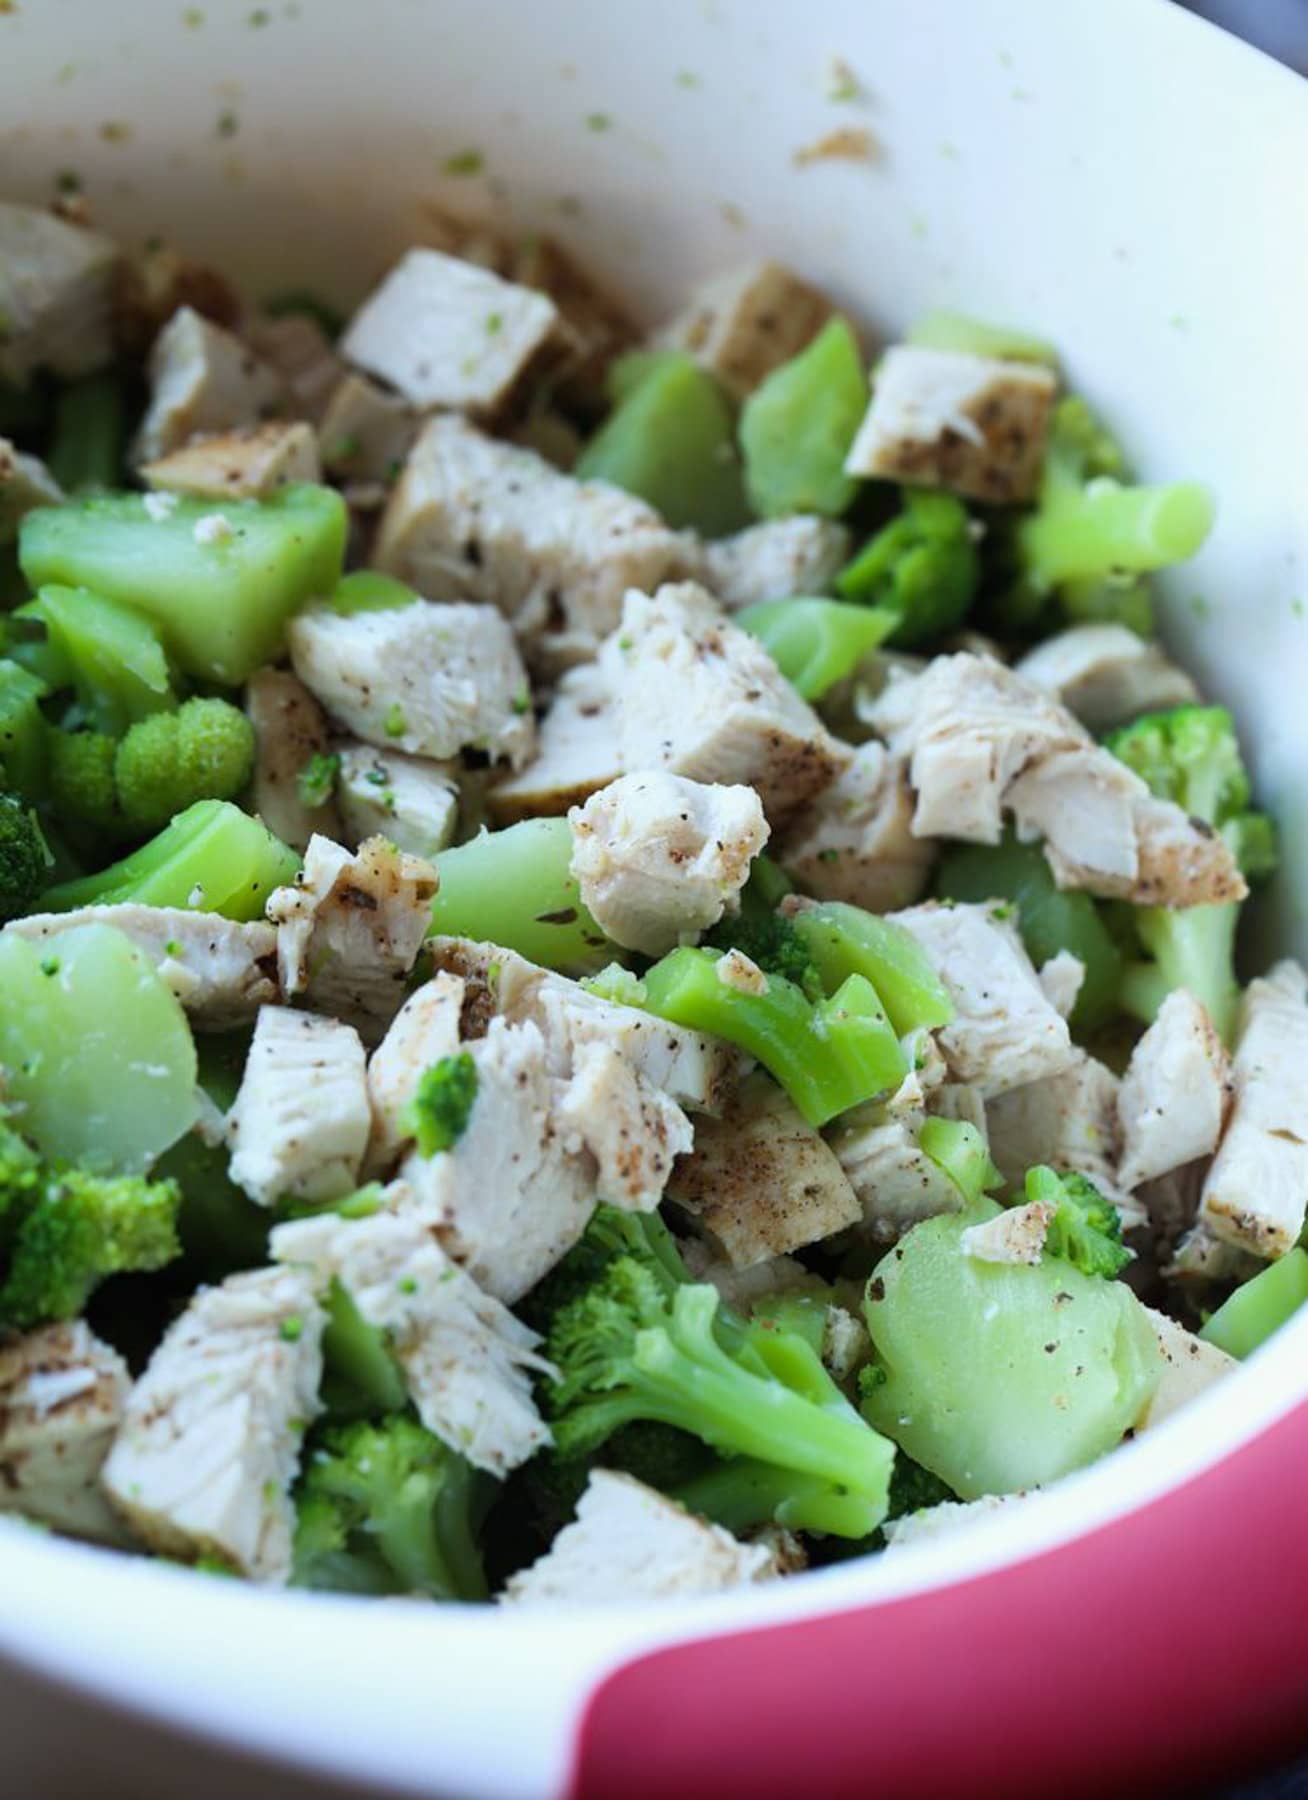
[81, 778]
[439, 1111]
[922, 565]
[25, 858]
[64, 1230]
[316, 782]
[386, 1508]
[635, 1339]
[1191, 755]
[203, 751]
[1086, 1230]
[773, 943]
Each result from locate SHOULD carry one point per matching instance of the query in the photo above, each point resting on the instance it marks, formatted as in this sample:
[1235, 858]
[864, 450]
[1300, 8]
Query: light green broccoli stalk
[439, 1112]
[797, 426]
[163, 764]
[1086, 1229]
[816, 643]
[1260, 1306]
[385, 1507]
[515, 888]
[25, 858]
[922, 567]
[1191, 756]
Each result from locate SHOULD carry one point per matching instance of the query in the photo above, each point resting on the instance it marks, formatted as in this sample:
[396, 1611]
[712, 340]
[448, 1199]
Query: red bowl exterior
[1158, 1653]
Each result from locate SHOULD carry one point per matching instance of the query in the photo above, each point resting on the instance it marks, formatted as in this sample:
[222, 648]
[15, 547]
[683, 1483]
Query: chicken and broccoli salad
[618, 971]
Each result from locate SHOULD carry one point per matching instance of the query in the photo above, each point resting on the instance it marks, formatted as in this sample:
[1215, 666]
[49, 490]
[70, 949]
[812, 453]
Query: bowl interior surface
[1119, 178]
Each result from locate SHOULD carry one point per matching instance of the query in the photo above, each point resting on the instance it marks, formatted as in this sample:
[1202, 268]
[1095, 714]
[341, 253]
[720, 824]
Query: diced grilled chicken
[221, 971]
[365, 433]
[1004, 1033]
[1016, 1235]
[734, 716]
[1068, 1121]
[300, 1121]
[854, 841]
[350, 928]
[445, 333]
[1189, 1367]
[760, 1181]
[57, 286]
[478, 519]
[467, 1362]
[425, 678]
[25, 484]
[301, 353]
[1200, 1258]
[1175, 1093]
[1256, 1193]
[740, 1288]
[630, 1127]
[203, 1461]
[895, 1182]
[628, 1543]
[410, 800]
[659, 858]
[947, 418]
[62, 1393]
[773, 561]
[290, 730]
[1062, 979]
[202, 379]
[425, 1031]
[575, 751]
[931, 1522]
[1105, 675]
[981, 741]
[246, 464]
[742, 325]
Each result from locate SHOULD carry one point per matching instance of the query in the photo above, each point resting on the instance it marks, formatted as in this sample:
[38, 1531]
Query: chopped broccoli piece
[366, 590]
[25, 858]
[940, 329]
[316, 782]
[1086, 1231]
[63, 1230]
[633, 1339]
[846, 940]
[913, 1488]
[107, 652]
[203, 751]
[797, 426]
[515, 888]
[816, 643]
[360, 1376]
[1260, 1306]
[22, 730]
[386, 1508]
[439, 1112]
[960, 1150]
[770, 941]
[89, 433]
[922, 567]
[80, 779]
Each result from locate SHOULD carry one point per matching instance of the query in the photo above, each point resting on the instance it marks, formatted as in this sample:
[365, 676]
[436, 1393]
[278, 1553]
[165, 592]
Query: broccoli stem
[816, 643]
[514, 888]
[212, 858]
[845, 940]
[962, 1152]
[1104, 527]
[922, 566]
[1260, 1306]
[109, 653]
[1192, 948]
[941, 329]
[90, 432]
[743, 1494]
[797, 426]
[361, 1376]
[22, 730]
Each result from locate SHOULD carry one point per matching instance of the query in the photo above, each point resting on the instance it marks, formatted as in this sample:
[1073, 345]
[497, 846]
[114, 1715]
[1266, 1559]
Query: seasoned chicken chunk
[1062, 979]
[290, 730]
[1175, 1093]
[740, 1288]
[659, 858]
[297, 348]
[1256, 1193]
[931, 1522]
[1004, 1033]
[1016, 1235]
[350, 928]
[895, 1182]
[25, 484]
[410, 800]
[575, 751]
[854, 841]
[947, 418]
[467, 1362]
[1105, 675]
[760, 1182]
[734, 717]
[300, 1121]
[627, 1543]
[203, 1461]
[981, 741]
[245, 464]
[56, 295]
[742, 325]
[630, 1127]
[1189, 1367]
[773, 561]
[446, 333]
[221, 971]
[1068, 1121]
[62, 1393]
[474, 518]
[365, 433]
[202, 379]
[430, 679]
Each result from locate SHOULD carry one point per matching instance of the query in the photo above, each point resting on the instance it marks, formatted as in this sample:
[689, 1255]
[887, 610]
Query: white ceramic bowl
[1118, 177]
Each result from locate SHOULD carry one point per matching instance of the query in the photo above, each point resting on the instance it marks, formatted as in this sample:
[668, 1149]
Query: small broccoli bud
[81, 777]
[203, 751]
[773, 943]
[1086, 1229]
[316, 782]
[439, 1112]
[922, 567]
[25, 858]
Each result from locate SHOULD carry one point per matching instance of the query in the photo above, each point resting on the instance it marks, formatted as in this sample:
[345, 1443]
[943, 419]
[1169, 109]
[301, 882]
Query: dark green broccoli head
[1086, 1229]
[773, 943]
[1189, 755]
[25, 859]
[922, 565]
[439, 1112]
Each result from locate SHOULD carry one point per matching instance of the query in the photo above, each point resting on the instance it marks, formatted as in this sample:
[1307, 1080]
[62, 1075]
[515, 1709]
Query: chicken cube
[733, 717]
[365, 433]
[467, 1362]
[430, 679]
[203, 1462]
[1016, 1235]
[632, 1129]
[628, 1543]
[1189, 1367]
[62, 1393]
[740, 1288]
[575, 751]
[773, 561]
[742, 325]
[659, 858]
[408, 799]
[1062, 979]
[202, 379]
[1105, 675]
[25, 484]
[300, 1121]
[478, 519]
[350, 928]
[290, 730]
[1256, 1193]
[930, 1522]
[760, 1181]
[854, 841]
[245, 464]
[57, 286]
[425, 1031]
[946, 418]
[1068, 1121]
[1175, 1093]
[446, 333]
[894, 1181]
